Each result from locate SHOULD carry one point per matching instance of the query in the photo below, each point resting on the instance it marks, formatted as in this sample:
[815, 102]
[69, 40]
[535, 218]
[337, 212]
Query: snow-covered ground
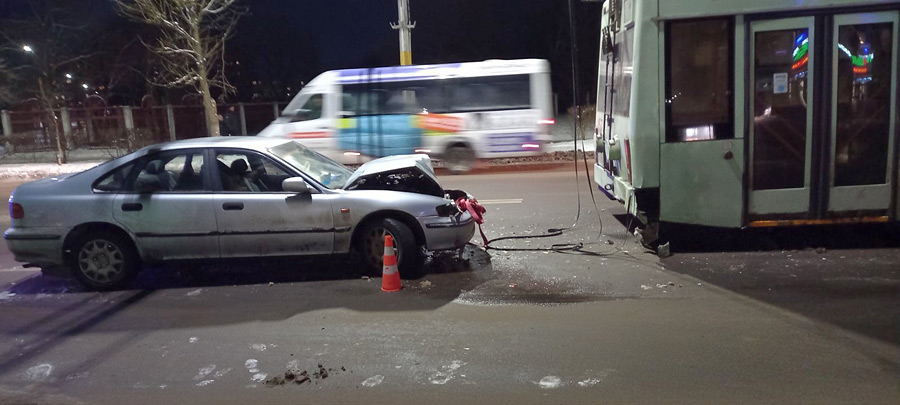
[41, 170]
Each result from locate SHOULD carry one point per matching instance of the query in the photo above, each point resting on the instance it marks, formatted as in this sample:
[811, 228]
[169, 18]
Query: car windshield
[329, 173]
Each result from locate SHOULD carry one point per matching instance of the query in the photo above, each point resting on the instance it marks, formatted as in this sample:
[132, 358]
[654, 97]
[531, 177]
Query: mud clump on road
[300, 377]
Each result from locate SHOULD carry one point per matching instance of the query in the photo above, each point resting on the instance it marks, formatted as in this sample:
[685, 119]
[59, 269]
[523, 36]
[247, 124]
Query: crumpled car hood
[409, 173]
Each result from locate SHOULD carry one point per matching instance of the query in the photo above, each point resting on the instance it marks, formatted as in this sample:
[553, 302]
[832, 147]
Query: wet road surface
[608, 323]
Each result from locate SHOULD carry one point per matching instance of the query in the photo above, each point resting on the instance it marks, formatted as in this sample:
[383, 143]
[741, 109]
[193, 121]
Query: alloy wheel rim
[101, 261]
[375, 246]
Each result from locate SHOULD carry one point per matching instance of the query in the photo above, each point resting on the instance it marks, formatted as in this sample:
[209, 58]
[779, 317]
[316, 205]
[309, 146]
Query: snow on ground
[41, 170]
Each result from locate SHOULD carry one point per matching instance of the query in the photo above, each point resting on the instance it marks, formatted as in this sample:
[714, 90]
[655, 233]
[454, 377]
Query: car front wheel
[370, 247]
[104, 260]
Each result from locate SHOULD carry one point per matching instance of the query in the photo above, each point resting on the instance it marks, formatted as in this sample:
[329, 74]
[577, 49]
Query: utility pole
[404, 25]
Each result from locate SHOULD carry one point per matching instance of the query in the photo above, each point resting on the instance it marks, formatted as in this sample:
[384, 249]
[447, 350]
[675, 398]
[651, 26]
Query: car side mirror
[298, 185]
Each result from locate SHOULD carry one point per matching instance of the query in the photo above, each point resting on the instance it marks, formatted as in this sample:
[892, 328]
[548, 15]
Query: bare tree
[41, 45]
[190, 44]
[7, 79]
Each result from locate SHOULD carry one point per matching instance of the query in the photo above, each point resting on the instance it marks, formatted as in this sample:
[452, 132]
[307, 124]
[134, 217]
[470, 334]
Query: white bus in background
[457, 112]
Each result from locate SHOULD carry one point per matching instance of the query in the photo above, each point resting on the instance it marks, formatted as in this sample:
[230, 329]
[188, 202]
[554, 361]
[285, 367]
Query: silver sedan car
[230, 197]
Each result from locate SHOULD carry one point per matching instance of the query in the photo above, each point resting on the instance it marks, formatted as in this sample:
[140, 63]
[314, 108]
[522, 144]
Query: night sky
[289, 41]
[315, 36]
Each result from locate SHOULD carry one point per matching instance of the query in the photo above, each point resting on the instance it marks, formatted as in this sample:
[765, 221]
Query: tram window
[699, 80]
[864, 57]
[624, 66]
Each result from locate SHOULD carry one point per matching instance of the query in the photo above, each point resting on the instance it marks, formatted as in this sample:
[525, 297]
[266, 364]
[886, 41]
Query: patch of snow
[258, 347]
[6, 295]
[195, 292]
[39, 372]
[41, 170]
[204, 371]
[193, 339]
[205, 383]
[590, 382]
[550, 382]
[373, 381]
[442, 377]
[259, 377]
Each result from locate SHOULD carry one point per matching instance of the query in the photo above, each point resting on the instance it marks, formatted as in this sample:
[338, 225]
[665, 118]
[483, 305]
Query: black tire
[104, 260]
[459, 159]
[370, 247]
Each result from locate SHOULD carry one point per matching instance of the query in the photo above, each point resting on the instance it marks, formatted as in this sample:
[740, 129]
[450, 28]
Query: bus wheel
[459, 159]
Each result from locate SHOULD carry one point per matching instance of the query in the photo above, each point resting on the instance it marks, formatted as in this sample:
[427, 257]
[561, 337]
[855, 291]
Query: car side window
[114, 180]
[249, 172]
[170, 172]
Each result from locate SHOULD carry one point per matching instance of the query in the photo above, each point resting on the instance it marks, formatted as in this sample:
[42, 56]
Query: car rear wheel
[459, 159]
[104, 260]
[370, 247]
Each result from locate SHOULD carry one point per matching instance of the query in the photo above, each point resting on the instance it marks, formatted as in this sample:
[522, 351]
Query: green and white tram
[736, 113]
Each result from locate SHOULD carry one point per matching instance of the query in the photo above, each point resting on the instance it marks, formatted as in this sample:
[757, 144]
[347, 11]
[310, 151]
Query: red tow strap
[476, 210]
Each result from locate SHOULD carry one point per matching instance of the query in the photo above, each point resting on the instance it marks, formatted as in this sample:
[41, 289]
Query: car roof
[251, 142]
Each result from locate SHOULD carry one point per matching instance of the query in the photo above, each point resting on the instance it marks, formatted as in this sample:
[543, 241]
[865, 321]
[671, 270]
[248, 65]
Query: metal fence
[121, 127]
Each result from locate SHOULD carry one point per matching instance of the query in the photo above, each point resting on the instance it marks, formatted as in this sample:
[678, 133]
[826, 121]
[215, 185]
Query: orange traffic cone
[390, 277]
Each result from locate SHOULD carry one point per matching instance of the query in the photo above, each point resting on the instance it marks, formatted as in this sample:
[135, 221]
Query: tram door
[822, 99]
[863, 114]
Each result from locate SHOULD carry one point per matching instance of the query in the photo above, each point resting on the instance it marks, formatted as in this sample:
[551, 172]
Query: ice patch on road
[204, 371]
[447, 373]
[373, 381]
[550, 382]
[39, 372]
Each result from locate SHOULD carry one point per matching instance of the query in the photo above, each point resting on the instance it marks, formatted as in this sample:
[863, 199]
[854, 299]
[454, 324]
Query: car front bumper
[40, 246]
[442, 233]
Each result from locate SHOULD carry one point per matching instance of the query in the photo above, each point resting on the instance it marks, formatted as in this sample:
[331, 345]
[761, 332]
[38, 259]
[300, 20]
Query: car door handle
[233, 206]
[132, 207]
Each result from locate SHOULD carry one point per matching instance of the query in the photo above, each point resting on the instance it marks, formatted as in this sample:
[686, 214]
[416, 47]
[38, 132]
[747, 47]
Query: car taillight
[16, 211]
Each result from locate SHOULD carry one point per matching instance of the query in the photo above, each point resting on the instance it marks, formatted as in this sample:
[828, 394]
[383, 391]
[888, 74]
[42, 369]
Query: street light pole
[404, 26]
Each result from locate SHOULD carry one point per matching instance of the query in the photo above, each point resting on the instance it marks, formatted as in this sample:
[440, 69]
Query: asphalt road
[609, 323]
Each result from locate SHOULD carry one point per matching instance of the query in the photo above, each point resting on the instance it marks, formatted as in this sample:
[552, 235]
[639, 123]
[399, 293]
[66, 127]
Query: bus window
[417, 97]
[394, 98]
[356, 100]
[490, 93]
[699, 80]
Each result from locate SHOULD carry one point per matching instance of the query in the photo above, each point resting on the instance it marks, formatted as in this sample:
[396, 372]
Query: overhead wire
[578, 247]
